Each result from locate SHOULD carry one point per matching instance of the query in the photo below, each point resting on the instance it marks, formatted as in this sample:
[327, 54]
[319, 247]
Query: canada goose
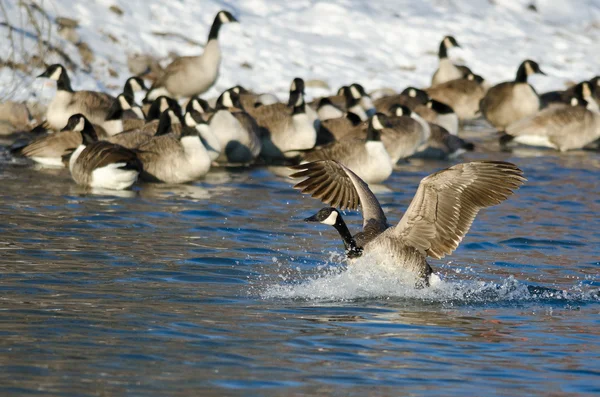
[195, 119]
[132, 85]
[411, 97]
[352, 98]
[563, 128]
[93, 105]
[285, 130]
[193, 75]
[463, 94]
[442, 145]
[439, 113]
[447, 71]
[236, 130]
[335, 129]
[49, 150]
[366, 157]
[338, 100]
[510, 101]
[403, 135]
[174, 159]
[365, 100]
[132, 139]
[435, 222]
[103, 164]
[201, 106]
[326, 110]
[123, 115]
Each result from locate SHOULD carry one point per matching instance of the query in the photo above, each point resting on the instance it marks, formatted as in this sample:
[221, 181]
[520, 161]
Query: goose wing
[102, 153]
[447, 202]
[553, 121]
[336, 185]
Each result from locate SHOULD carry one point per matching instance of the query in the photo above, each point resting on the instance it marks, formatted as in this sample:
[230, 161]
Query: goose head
[447, 43]
[332, 217]
[134, 84]
[228, 100]
[199, 105]
[166, 121]
[439, 107]
[297, 101]
[160, 104]
[78, 122]
[375, 127]
[58, 73]
[416, 93]
[526, 69]
[475, 77]
[223, 17]
[365, 99]
[123, 102]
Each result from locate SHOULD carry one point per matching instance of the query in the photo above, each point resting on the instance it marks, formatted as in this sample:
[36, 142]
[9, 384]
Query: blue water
[220, 288]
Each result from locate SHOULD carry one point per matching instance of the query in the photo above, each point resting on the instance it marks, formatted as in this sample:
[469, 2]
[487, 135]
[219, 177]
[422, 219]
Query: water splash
[364, 279]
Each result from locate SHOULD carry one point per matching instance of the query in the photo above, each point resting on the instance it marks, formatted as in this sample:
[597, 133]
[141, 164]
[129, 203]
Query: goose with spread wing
[435, 222]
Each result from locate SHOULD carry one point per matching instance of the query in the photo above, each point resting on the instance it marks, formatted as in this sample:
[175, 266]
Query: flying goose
[446, 70]
[193, 75]
[463, 94]
[510, 101]
[435, 222]
[93, 105]
[236, 130]
[366, 157]
[103, 164]
[175, 159]
[50, 150]
[562, 128]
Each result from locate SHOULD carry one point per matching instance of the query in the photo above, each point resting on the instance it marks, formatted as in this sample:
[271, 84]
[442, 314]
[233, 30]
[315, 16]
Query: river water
[220, 288]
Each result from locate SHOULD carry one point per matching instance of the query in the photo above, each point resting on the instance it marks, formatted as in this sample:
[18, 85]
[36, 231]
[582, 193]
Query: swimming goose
[174, 159]
[433, 225]
[463, 94]
[510, 101]
[103, 164]
[285, 130]
[368, 157]
[93, 105]
[560, 127]
[193, 75]
[49, 150]
[236, 130]
[447, 71]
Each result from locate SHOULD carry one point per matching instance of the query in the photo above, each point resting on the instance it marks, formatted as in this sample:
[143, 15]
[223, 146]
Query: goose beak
[541, 72]
[311, 219]
[234, 20]
[45, 74]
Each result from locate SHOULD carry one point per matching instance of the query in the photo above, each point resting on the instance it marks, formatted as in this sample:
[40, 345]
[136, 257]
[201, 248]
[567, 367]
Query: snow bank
[379, 44]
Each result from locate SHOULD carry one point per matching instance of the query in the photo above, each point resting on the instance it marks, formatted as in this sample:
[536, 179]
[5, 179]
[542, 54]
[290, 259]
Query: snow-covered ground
[377, 43]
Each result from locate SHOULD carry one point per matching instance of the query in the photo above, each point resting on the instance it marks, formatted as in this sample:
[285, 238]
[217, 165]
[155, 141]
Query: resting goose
[511, 101]
[411, 97]
[433, 225]
[366, 157]
[174, 159]
[559, 127]
[67, 102]
[447, 71]
[50, 150]
[132, 139]
[463, 94]
[193, 75]
[103, 164]
[236, 130]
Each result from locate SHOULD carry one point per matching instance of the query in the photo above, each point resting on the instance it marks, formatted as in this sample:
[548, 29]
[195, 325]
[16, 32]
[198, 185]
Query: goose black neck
[352, 250]
[128, 92]
[214, 29]
[443, 52]
[164, 124]
[88, 134]
[115, 112]
[521, 74]
[64, 83]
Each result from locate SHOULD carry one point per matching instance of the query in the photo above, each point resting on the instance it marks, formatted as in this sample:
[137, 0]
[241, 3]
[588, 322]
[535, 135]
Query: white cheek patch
[138, 112]
[293, 86]
[528, 69]
[447, 42]
[586, 91]
[135, 86]
[56, 74]
[196, 106]
[412, 93]
[189, 120]
[227, 102]
[80, 125]
[164, 105]
[123, 102]
[223, 18]
[299, 101]
[174, 119]
[331, 219]
[354, 92]
[376, 123]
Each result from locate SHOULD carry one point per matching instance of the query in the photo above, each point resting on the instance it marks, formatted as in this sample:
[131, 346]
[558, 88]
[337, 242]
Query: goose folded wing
[102, 154]
[447, 202]
[337, 186]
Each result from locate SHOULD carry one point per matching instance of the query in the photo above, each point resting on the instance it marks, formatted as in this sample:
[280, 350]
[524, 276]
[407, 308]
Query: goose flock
[336, 145]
